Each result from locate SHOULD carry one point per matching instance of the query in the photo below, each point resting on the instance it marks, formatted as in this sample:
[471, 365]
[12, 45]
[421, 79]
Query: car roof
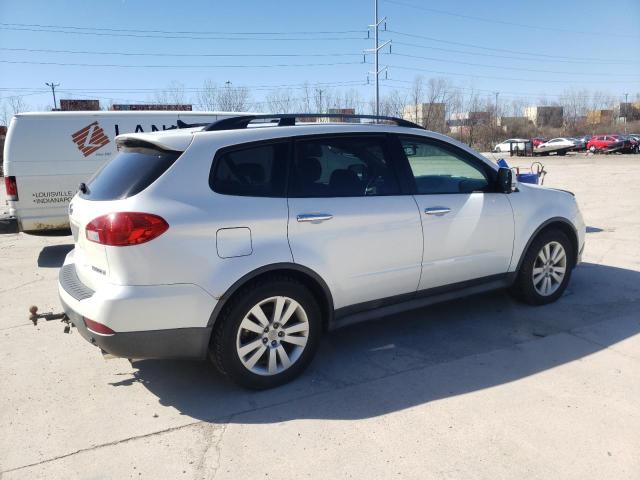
[180, 140]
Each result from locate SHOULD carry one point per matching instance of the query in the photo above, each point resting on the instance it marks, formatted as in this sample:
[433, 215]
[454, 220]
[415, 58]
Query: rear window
[129, 173]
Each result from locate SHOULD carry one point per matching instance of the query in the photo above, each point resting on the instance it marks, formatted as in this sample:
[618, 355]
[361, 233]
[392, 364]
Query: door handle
[314, 217]
[437, 211]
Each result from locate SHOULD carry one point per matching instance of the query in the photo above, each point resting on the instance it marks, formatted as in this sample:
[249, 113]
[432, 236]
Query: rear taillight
[97, 327]
[12, 188]
[122, 229]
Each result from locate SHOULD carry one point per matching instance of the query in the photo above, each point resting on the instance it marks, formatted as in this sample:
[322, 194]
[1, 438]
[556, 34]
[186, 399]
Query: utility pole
[376, 51]
[319, 91]
[626, 110]
[53, 91]
[496, 130]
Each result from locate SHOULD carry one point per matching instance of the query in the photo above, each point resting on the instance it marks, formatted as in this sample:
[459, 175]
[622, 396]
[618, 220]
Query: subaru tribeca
[245, 239]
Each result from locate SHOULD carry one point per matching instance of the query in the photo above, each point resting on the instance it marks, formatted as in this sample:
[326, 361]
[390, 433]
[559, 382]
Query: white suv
[245, 241]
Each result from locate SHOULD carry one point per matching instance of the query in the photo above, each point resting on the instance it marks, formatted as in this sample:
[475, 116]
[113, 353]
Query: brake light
[97, 327]
[122, 229]
[11, 187]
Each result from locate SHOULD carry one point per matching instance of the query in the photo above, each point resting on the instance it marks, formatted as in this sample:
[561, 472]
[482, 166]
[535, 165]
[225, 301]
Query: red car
[605, 143]
[537, 141]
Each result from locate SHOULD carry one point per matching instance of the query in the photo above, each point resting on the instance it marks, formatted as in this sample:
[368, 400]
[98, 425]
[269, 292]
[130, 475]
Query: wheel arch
[562, 224]
[305, 275]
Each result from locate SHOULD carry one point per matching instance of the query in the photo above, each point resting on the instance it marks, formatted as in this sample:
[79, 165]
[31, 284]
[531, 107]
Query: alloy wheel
[549, 268]
[272, 335]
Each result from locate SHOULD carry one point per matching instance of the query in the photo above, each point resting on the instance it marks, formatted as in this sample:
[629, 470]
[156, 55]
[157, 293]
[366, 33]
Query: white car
[559, 145]
[246, 243]
[511, 144]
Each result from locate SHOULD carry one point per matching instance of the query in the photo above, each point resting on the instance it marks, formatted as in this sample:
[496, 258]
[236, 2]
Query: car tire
[539, 282]
[237, 332]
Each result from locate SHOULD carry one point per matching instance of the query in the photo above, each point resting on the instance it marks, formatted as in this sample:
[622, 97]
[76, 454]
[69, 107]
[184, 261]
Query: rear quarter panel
[187, 251]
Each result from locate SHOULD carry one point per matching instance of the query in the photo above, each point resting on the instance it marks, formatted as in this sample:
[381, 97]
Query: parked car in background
[579, 142]
[244, 244]
[632, 144]
[511, 144]
[559, 146]
[605, 143]
[537, 141]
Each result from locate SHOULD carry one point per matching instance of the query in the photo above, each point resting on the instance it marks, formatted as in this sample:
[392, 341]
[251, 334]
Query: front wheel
[545, 270]
[268, 333]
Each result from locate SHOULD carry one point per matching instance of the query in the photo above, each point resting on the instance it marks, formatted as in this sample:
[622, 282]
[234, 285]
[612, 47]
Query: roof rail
[182, 124]
[289, 120]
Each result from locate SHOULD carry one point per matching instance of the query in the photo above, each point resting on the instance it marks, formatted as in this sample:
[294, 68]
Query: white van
[47, 155]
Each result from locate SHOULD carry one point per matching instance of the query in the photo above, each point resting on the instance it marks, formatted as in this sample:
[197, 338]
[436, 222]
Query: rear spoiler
[176, 141]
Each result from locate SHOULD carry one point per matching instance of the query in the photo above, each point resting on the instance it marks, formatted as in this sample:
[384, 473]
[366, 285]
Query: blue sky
[521, 49]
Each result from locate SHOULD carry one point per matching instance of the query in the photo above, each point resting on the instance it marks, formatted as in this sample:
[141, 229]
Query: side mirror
[505, 180]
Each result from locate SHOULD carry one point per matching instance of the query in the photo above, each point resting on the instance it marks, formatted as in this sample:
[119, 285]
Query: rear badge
[96, 269]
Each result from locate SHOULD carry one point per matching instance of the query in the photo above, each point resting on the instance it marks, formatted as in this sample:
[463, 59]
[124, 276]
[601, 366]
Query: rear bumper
[161, 321]
[9, 225]
[170, 343]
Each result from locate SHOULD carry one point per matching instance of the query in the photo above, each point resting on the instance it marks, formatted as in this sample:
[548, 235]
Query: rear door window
[129, 173]
[258, 170]
[355, 166]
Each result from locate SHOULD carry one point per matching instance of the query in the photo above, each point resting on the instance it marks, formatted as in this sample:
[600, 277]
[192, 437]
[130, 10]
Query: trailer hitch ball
[33, 310]
[35, 316]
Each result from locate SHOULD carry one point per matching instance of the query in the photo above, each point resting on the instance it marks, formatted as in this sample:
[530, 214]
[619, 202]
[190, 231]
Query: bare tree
[281, 101]
[232, 99]
[11, 106]
[392, 104]
[304, 104]
[416, 96]
[172, 95]
[207, 96]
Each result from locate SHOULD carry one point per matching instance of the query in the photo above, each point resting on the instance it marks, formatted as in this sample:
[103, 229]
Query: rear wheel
[268, 333]
[545, 270]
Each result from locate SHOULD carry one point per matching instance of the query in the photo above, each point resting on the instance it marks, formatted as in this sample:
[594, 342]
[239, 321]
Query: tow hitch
[35, 316]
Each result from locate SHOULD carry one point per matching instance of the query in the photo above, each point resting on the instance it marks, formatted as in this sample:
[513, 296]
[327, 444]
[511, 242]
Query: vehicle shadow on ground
[437, 352]
[53, 256]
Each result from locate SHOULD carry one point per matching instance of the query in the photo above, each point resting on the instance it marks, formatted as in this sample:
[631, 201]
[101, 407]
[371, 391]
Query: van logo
[90, 138]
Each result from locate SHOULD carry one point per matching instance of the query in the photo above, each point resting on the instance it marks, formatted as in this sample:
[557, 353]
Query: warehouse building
[545, 116]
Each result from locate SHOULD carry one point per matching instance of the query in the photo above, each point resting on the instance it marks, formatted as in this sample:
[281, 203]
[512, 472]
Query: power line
[401, 67]
[163, 54]
[513, 24]
[177, 37]
[501, 67]
[511, 57]
[180, 66]
[517, 52]
[192, 32]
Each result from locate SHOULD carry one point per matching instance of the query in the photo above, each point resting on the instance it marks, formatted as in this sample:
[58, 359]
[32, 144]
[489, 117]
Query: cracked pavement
[480, 388]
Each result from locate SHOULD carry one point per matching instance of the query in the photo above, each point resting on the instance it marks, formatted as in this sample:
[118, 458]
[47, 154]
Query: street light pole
[53, 91]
